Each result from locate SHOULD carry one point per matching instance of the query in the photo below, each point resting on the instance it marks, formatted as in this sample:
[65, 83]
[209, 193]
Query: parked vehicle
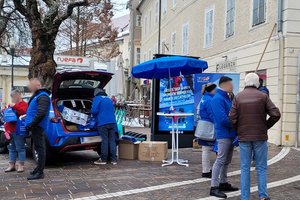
[74, 90]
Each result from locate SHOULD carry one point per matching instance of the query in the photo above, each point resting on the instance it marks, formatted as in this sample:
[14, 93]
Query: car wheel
[49, 154]
[3, 143]
[35, 155]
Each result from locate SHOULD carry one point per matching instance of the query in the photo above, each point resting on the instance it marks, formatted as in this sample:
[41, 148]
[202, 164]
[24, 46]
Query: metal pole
[12, 67]
[298, 104]
[262, 55]
[159, 27]
[153, 103]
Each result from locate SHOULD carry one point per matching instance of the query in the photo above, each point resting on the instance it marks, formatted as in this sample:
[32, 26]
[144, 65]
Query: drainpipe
[298, 104]
[281, 66]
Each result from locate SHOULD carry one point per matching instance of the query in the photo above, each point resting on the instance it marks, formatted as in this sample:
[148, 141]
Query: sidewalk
[73, 175]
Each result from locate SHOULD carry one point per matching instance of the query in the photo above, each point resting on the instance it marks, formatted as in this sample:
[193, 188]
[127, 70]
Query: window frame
[226, 16]
[173, 45]
[207, 10]
[252, 25]
[187, 24]
[138, 55]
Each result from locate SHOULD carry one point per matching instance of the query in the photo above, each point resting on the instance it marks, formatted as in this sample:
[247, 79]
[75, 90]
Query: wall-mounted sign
[226, 66]
[72, 60]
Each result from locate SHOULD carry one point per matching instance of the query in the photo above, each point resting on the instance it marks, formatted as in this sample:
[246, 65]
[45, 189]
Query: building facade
[231, 35]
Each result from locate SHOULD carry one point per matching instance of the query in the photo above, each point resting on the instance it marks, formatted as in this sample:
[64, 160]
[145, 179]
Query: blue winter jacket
[264, 89]
[103, 110]
[221, 105]
[33, 110]
[206, 112]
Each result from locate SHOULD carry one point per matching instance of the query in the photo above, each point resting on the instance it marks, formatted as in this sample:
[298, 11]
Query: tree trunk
[42, 64]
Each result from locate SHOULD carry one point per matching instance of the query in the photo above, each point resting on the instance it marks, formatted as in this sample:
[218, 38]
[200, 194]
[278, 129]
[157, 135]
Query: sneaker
[100, 162]
[114, 162]
[216, 192]
[206, 175]
[227, 187]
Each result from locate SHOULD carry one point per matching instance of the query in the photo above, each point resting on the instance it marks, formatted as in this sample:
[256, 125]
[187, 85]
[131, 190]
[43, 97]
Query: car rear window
[79, 83]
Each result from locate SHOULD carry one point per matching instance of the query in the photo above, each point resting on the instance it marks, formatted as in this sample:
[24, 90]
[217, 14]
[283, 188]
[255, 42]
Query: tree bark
[42, 64]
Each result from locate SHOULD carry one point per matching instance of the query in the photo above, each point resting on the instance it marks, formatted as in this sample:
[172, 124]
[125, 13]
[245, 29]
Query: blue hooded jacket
[221, 105]
[103, 110]
[206, 112]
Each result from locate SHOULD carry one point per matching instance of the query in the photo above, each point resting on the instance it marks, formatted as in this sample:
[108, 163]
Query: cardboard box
[74, 116]
[128, 150]
[153, 151]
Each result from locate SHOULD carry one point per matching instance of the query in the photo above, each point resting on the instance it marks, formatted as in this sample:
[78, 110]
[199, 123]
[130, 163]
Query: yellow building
[231, 36]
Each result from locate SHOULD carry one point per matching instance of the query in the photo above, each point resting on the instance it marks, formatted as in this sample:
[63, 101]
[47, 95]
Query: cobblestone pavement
[72, 175]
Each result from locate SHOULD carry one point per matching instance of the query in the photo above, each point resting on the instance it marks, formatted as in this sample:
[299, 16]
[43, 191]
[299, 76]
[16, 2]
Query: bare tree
[89, 31]
[11, 23]
[44, 18]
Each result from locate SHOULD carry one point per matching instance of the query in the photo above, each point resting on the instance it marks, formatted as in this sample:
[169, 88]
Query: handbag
[9, 115]
[205, 130]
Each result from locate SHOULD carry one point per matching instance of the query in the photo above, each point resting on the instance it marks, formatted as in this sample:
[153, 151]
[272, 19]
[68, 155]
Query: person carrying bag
[205, 131]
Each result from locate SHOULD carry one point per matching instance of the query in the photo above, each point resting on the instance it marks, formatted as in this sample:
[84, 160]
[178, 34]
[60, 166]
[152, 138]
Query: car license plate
[87, 140]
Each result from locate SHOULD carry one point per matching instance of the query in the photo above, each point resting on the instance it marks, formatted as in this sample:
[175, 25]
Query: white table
[175, 158]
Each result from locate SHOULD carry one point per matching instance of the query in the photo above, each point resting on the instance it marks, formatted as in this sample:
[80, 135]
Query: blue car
[73, 90]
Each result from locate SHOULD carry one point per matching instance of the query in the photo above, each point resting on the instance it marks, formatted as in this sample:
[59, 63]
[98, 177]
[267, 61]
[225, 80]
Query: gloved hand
[28, 127]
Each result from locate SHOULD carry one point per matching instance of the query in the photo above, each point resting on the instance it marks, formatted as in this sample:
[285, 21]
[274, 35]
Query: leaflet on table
[182, 94]
[204, 78]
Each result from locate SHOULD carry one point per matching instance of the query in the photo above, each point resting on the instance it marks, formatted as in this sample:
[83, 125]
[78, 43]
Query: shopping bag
[9, 115]
[20, 129]
[205, 131]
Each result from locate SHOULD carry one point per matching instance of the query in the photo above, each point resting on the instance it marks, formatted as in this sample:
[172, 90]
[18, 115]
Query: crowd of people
[244, 118]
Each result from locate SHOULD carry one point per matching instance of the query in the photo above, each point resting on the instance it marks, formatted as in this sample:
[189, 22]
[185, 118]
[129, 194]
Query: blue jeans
[108, 144]
[16, 148]
[260, 151]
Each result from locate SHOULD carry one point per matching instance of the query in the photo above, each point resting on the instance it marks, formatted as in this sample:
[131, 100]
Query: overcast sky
[120, 6]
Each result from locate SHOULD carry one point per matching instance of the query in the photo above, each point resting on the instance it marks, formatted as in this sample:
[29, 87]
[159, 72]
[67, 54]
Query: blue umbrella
[169, 66]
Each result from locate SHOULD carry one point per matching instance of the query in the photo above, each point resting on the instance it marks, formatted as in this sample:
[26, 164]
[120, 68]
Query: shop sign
[72, 60]
[226, 66]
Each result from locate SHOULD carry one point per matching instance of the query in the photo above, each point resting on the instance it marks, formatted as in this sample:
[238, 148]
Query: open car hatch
[79, 83]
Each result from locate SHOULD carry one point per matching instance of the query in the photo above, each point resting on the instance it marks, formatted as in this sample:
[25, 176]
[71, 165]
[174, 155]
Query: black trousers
[38, 138]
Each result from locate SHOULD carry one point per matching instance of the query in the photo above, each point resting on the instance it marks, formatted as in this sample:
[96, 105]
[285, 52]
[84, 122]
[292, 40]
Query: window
[156, 11]
[139, 20]
[145, 57]
[258, 12]
[230, 18]
[209, 27]
[173, 43]
[185, 39]
[146, 25]
[150, 20]
[174, 3]
[164, 7]
[138, 56]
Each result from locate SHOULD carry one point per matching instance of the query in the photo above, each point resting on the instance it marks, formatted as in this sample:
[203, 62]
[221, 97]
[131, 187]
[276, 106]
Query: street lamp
[12, 53]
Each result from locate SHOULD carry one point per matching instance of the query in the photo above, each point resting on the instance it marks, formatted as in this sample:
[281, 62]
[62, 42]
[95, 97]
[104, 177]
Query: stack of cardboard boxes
[144, 151]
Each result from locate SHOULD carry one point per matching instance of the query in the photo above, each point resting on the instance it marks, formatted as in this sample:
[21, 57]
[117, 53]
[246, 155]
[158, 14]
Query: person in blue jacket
[263, 88]
[104, 112]
[206, 114]
[221, 105]
[36, 122]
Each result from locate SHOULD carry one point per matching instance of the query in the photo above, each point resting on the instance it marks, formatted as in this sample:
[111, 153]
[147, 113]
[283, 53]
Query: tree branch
[69, 11]
[21, 8]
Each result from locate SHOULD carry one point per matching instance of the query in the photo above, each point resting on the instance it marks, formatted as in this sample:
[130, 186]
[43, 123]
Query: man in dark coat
[249, 117]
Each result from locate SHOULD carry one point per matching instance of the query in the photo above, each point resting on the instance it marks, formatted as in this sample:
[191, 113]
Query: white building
[231, 36]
